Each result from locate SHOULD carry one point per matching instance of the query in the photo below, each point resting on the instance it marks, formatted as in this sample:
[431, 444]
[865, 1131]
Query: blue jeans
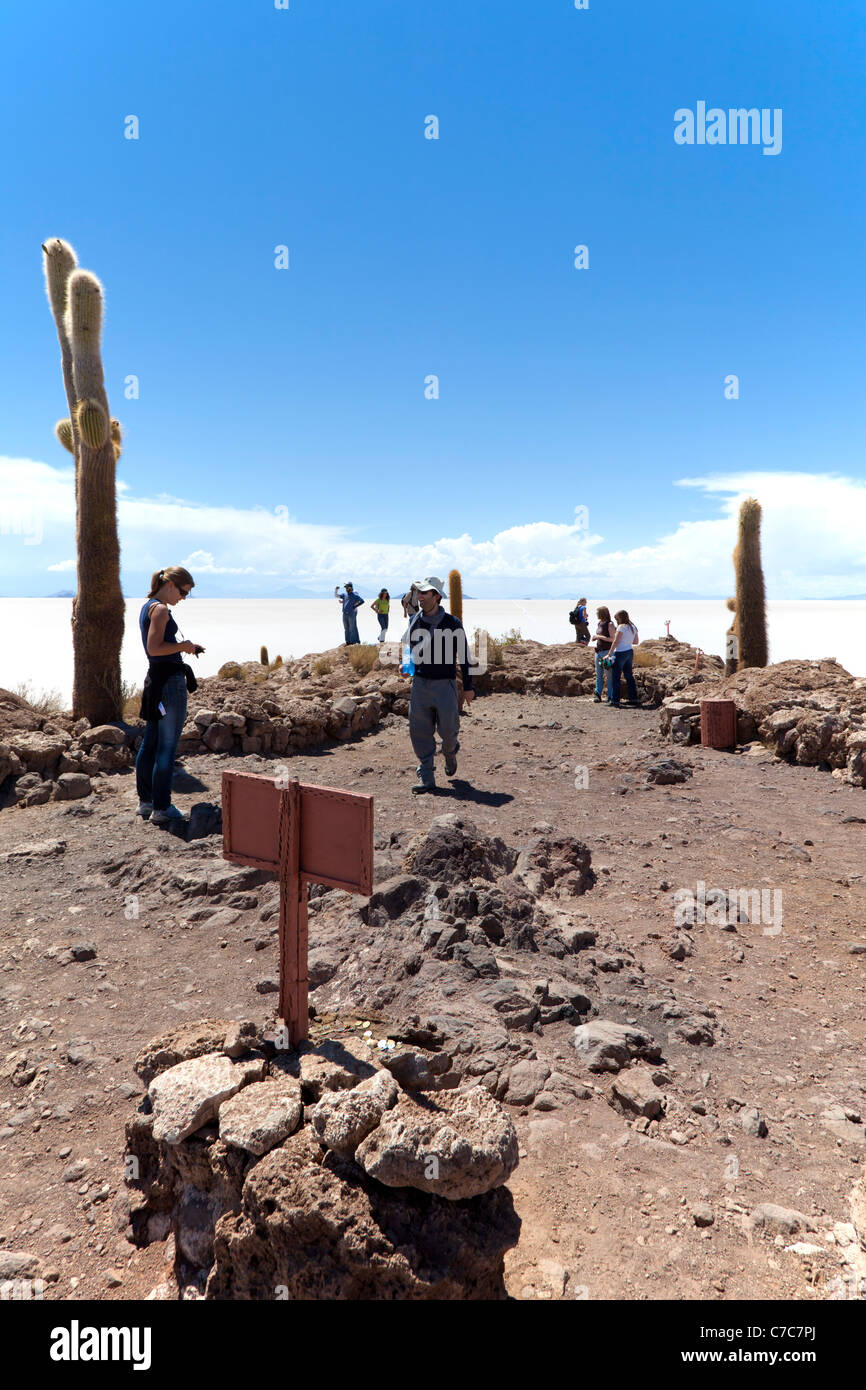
[350, 628]
[622, 664]
[155, 762]
[599, 674]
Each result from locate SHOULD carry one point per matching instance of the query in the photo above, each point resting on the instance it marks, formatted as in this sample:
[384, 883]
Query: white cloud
[814, 541]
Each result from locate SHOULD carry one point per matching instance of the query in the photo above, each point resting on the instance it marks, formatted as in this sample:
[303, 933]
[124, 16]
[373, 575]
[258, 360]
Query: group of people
[381, 606]
[615, 640]
[438, 648]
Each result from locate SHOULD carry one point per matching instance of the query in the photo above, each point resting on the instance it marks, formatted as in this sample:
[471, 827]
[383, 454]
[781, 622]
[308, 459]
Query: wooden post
[293, 920]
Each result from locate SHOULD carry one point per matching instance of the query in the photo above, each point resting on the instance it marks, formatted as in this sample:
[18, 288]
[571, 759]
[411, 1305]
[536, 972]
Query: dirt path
[608, 1207]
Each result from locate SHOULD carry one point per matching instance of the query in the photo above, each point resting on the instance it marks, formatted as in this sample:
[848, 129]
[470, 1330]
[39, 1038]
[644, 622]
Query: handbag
[189, 675]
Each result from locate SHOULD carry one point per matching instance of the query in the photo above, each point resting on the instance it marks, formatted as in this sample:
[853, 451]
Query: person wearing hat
[437, 642]
[351, 603]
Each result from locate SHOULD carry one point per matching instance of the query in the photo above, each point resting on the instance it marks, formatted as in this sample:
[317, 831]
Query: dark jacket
[151, 691]
[450, 650]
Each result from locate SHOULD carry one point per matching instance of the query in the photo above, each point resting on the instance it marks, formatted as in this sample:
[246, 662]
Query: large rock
[782, 1221]
[455, 1144]
[555, 864]
[637, 1093]
[219, 738]
[190, 1094]
[108, 734]
[392, 898]
[262, 1116]
[608, 1046]
[453, 850]
[183, 1043]
[313, 1227]
[39, 752]
[342, 1119]
[327, 1066]
[72, 785]
[525, 1080]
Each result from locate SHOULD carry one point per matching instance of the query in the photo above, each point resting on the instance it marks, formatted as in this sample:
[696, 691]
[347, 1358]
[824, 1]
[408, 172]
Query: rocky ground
[707, 1143]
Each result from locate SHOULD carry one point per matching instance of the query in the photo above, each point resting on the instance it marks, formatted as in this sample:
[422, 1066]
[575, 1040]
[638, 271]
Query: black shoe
[450, 764]
[420, 787]
[596, 699]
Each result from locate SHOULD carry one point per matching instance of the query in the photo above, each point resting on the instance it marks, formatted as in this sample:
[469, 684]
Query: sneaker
[420, 787]
[165, 817]
[596, 699]
[145, 809]
[450, 764]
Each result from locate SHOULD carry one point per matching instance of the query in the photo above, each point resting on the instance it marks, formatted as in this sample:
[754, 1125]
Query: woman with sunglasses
[163, 703]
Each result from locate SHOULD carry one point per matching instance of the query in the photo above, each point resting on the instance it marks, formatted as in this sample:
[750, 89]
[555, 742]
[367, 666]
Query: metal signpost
[306, 835]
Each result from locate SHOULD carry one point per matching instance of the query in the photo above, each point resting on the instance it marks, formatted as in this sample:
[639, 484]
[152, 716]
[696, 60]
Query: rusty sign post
[306, 835]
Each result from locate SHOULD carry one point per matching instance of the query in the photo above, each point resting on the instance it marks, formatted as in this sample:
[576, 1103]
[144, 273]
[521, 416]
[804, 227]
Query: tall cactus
[751, 620]
[455, 594]
[76, 300]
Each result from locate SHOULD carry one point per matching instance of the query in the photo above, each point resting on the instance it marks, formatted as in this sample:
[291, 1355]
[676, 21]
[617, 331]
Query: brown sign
[305, 834]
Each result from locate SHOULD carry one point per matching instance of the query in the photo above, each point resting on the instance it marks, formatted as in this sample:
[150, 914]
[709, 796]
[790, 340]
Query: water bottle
[407, 666]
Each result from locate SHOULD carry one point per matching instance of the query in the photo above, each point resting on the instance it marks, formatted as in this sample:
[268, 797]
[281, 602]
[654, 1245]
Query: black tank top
[174, 658]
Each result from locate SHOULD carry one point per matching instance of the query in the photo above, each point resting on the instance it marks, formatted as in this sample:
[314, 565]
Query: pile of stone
[808, 712]
[317, 1173]
[278, 711]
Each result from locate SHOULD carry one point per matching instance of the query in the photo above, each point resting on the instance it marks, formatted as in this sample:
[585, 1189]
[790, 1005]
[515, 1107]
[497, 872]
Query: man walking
[351, 603]
[437, 642]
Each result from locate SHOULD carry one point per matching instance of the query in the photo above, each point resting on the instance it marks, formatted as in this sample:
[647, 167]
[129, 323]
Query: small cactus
[751, 610]
[263, 656]
[455, 594]
[63, 430]
[278, 660]
[92, 423]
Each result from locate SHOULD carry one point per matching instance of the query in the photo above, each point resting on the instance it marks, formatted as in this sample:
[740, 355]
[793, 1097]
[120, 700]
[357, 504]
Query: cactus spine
[76, 298]
[455, 594]
[751, 610]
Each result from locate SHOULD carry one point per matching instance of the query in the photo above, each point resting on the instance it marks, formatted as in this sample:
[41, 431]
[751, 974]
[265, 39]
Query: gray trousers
[432, 704]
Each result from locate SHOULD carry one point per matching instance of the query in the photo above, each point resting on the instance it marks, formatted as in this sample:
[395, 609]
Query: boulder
[392, 898]
[183, 1043]
[606, 1046]
[190, 1094]
[327, 1066]
[39, 752]
[455, 1144]
[72, 785]
[312, 1227]
[637, 1093]
[218, 737]
[452, 850]
[108, 734]
[525, 1080]
[342, 1119]
[782, 1221]
[260, 1117]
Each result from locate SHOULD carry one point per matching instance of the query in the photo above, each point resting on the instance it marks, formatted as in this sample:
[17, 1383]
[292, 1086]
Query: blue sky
[282, 441]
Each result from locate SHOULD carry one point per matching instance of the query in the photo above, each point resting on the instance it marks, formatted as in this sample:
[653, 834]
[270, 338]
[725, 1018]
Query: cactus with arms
[76, 301]
[751, 609]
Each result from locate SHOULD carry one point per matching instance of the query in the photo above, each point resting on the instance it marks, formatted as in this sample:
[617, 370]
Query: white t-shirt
[626, 632]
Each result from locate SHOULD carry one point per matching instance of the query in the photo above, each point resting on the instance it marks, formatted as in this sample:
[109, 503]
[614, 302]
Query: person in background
[622, 651]
[351, 603]
[380, 607]
[438, 642]
[578, 616]
[163, 699]
[410, 602]
[604, 635]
